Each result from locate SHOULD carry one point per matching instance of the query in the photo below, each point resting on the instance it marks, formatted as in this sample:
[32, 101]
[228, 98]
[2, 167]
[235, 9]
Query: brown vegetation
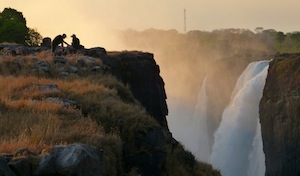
[107, 114]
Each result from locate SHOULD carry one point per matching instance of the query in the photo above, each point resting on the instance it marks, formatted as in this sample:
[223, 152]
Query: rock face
[4, 168]
[280, 116]
[141, 73]
[151, 162]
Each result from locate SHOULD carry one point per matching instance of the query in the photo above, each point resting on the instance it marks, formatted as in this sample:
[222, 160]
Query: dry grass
[108, 113]
[27, 120]
[43, 126]
[179, 163]
[26, 117]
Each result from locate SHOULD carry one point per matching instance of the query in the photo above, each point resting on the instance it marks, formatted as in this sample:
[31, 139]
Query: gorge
[90, 113]
[145, 145]
[257, 133]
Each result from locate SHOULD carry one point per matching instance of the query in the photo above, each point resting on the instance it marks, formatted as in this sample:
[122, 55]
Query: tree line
[224, 42]
[221, 42]
[13, 29]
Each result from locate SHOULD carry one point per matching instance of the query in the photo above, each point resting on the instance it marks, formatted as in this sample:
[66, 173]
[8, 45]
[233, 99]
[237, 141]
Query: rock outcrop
[146, 146]
[140, 71]
[4, 168]
[280, 116]
[75, 159]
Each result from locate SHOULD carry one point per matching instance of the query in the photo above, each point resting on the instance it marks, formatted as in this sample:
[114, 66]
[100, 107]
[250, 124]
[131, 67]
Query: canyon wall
[280, 116]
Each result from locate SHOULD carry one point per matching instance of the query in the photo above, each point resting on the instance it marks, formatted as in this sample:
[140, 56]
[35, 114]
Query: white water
[201, 150]
[182, 125]
[189, 125]
[237, 148]
[257, 156]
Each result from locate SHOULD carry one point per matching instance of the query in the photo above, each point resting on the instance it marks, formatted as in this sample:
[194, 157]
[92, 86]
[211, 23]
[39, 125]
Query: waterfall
[257, 156]
[237, 148]
[189, 125]
[201, 150]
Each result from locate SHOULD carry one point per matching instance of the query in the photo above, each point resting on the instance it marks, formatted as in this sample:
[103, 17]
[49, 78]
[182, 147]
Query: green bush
[13, 29]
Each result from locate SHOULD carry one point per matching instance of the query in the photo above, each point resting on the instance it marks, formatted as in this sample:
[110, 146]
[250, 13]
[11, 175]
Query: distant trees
[295, 36]
[221, 43]
[280, 37]
[13, 29]
[259, 29]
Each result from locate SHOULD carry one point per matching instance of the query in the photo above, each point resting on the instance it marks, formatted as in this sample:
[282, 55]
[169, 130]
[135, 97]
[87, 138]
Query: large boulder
[96, 52]
[46, 42]
[41, 66]
[15, 49]
[86, 60]
[75, 159]
[65, 103]
[22, 166]
[4, 168]
[60, 59]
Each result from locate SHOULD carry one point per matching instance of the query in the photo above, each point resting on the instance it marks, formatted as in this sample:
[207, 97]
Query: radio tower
[184, 20]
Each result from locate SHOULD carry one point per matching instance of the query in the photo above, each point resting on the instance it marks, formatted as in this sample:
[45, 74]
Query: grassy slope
[28, 120]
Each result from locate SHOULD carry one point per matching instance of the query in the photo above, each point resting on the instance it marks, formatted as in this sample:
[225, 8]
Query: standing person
[58, 40]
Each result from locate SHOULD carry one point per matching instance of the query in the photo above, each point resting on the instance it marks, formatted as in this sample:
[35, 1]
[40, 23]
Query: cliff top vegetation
[13, 29]
[43, 106]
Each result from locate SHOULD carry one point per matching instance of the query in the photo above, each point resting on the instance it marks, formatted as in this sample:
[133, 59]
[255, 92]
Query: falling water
[237, 148]
[189, 125]
[257, 156]
[201, 150]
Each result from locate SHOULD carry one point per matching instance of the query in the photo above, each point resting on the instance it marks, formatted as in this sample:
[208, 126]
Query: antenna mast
[184, 19]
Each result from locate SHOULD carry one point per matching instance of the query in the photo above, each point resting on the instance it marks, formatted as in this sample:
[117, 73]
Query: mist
[185, 59]
[236, 144]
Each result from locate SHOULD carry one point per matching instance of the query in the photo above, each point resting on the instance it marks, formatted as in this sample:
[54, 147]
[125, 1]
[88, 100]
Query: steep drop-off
[140, 71]
[87, 104]
[280, 116]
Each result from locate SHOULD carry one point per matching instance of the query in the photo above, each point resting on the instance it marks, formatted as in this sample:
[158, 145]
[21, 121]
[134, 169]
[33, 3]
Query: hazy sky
[91, 19]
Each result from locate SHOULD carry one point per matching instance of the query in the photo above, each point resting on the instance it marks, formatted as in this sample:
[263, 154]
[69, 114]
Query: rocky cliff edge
[280, 116]
[92, 113]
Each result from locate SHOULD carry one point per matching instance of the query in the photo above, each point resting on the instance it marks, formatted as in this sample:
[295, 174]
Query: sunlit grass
[28, 120]
[107, 114]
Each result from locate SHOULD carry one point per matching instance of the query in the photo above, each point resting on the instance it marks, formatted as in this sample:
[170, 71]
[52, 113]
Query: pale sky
[91, 19]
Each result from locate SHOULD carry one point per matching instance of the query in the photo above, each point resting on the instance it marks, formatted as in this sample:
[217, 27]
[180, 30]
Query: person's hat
[73, 35]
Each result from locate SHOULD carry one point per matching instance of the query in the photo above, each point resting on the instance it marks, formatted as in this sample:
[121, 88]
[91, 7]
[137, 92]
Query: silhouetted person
[58, 40]
[76, 46]
[75, 42]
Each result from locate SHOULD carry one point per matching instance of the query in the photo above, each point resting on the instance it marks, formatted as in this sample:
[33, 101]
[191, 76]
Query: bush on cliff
[13, 29]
